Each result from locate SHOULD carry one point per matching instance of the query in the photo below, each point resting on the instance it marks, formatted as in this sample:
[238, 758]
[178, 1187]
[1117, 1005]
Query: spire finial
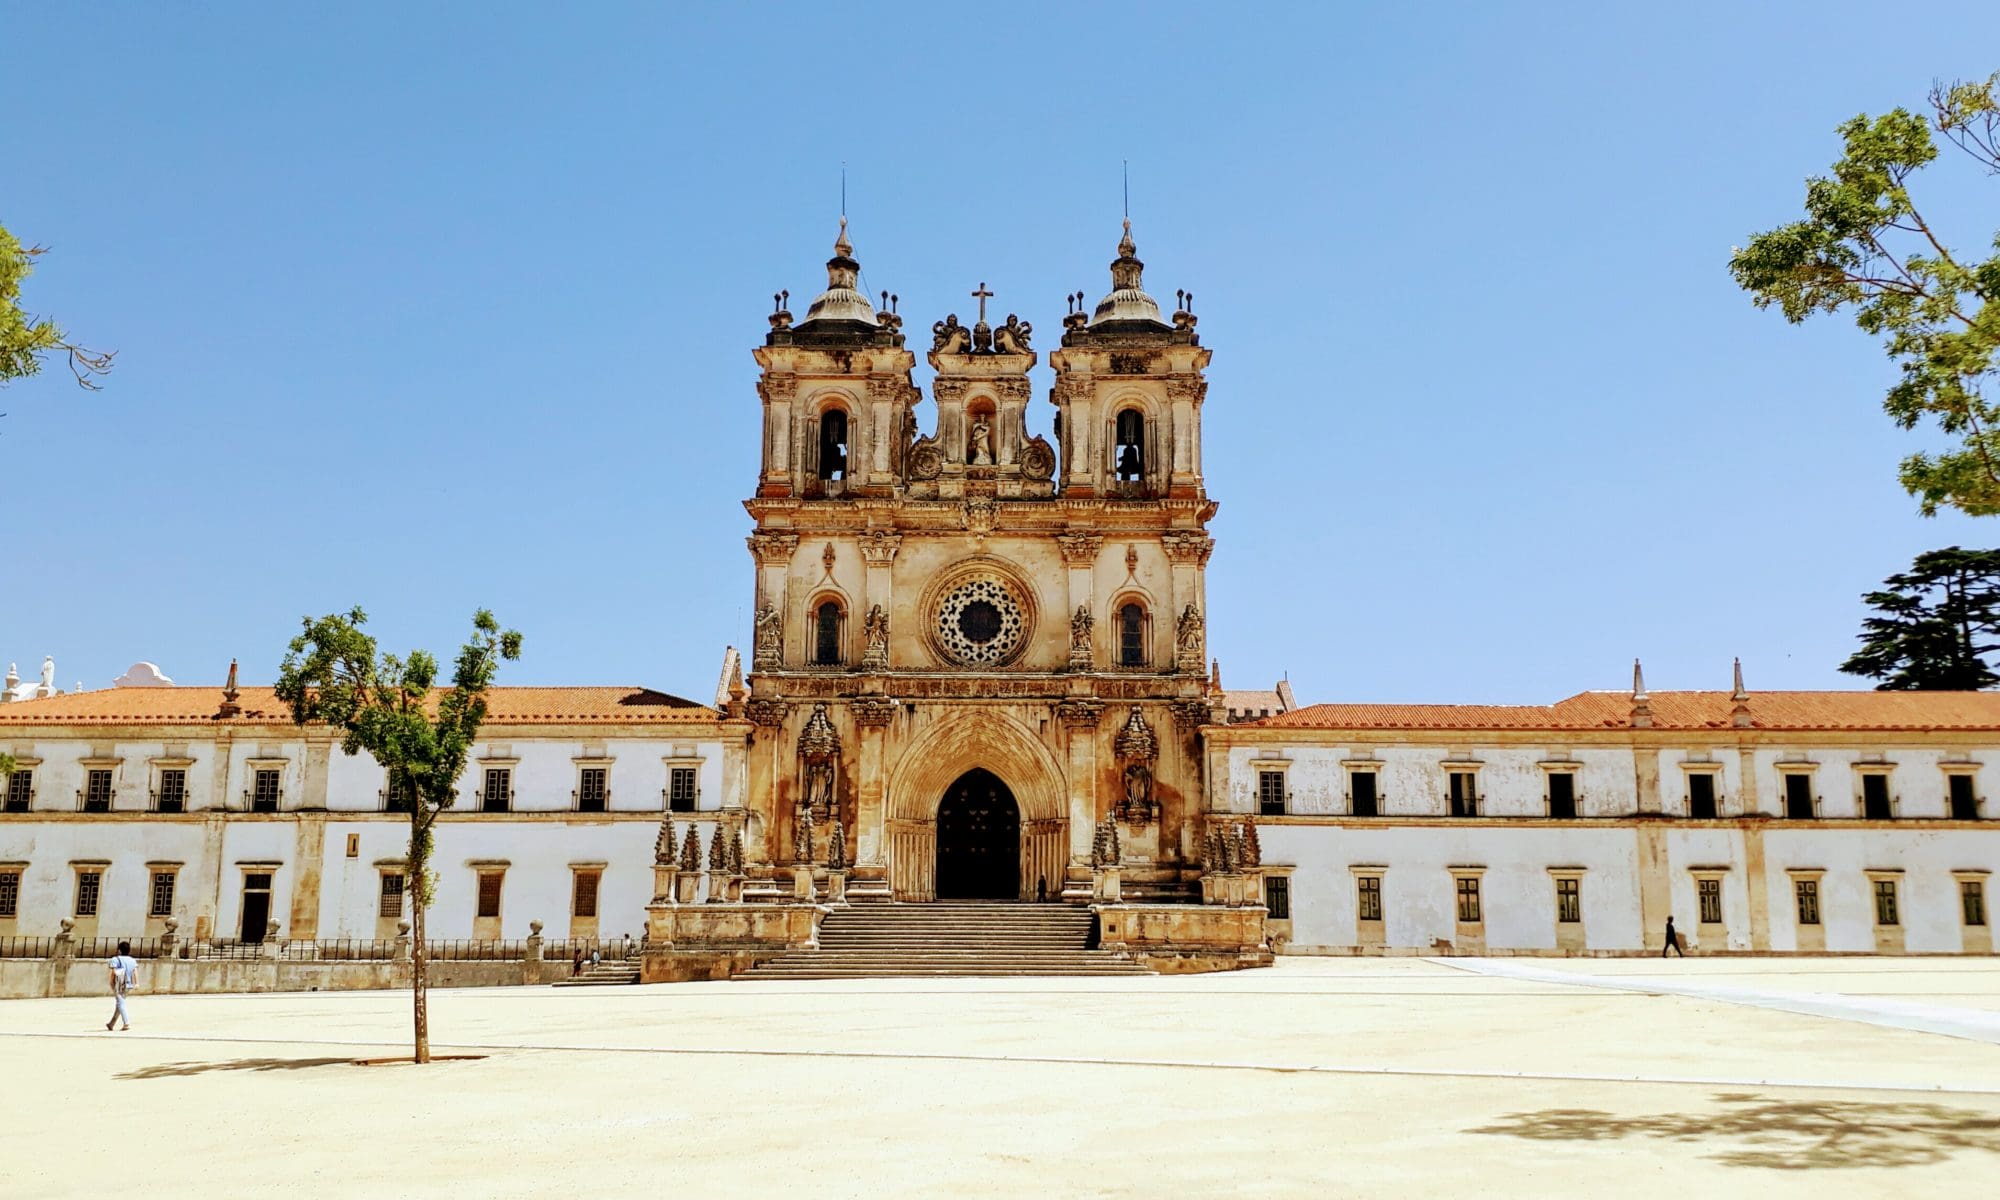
[1739, 694]
[1638, 681]
[1125, 178]
[1642, 706]
[1739, 708]
[841, 245]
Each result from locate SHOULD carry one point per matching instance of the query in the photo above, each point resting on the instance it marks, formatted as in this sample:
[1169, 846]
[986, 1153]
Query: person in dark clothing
[1673, 940]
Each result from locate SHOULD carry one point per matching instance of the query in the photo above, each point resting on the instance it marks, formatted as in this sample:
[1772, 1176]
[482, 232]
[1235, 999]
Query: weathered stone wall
[30, 977]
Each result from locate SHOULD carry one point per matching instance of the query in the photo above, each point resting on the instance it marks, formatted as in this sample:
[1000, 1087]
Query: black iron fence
[320, 950]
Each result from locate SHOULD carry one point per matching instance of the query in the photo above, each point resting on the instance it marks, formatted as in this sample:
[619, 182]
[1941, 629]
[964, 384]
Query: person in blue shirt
[124, 974]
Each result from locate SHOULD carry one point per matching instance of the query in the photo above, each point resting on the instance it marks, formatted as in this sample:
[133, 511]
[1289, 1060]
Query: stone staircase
[985, 938]
[608, 973]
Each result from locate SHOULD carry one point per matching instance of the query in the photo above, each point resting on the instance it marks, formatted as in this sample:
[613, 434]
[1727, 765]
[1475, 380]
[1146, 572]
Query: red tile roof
[1803, 711]
[504, 706]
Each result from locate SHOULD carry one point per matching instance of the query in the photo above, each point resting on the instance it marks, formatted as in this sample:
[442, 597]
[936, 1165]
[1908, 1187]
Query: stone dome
[1127, 300]
[842, 301]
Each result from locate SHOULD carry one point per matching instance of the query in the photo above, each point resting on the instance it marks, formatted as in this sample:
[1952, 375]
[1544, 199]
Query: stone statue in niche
[819, 754]
[1188, 637]
[1137, 748]
[876, 656]
[819, 785]
[1079, 637]
[768, 640]
[1138, 791]
[982, 443]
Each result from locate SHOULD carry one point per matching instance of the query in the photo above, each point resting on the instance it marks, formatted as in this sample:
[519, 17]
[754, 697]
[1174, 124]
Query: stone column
[1187, 552]
[1079, 551]
[872, 714]
[1080, 716]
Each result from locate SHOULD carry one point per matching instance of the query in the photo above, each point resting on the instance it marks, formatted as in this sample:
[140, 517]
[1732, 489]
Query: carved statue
[1013, 336]
[982, 443]
[767, 648]
[819, 785]
[49, 675]
[819, 750]
[949, 337]
[1138, 791]
[877, 627]
[1188, 633]
[1079, 628]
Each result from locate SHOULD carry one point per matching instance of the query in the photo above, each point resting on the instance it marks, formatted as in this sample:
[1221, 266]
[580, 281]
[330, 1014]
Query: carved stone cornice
[776, 387]
[1190, 715]
[879, 546]
[1135, 742]
[767, 712]
[771, 548]
[872, 711]
[1187, 387]
[1079, 549]
[1079, 712]
[1187, 546]
[946, 389]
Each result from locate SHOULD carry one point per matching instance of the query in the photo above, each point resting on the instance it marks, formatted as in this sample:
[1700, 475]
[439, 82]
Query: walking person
[1673, 940]
[576, 962]
[124, 975]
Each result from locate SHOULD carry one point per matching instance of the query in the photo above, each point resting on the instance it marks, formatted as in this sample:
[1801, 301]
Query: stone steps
[950, 938]
[603, 975]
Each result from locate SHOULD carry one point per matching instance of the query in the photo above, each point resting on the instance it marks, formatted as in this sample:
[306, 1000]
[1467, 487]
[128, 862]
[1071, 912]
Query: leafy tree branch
[26, 340]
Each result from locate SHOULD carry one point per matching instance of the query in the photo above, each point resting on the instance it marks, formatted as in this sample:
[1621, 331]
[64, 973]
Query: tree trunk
[419, 960]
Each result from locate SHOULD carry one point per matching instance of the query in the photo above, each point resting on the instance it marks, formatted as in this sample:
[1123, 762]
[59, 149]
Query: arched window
[1131, 454]
[826, 635]
[1131, 636]
[833, 444]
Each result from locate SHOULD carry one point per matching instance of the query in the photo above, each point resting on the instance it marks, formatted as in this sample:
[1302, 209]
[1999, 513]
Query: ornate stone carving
[981, 623]
[1080, 712]
[1187, 546]
[1104, 848]
[1080, 624]
[663, 845]
[980, 512]
[1129, 364]
[772, 549]
[1079, 549]
[1190, 715]
[1187, 387]
[1136, 748]
[1038, 458]
[1253, 850]
[767, 650]
[926, 459]
[691, 849]
[836, 848]
[949, 337]
[766, 712]
[1191, 639]
[945, 389]
[871, 710]
[718, 854]
[802, 835]
[736, 852]
[979, 450]
[876, 656]
[1012, 337]
[819, 756]
[879, 547]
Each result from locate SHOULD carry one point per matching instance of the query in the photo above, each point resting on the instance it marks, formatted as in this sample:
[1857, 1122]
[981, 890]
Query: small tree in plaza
[1865, 247]
[391, 707]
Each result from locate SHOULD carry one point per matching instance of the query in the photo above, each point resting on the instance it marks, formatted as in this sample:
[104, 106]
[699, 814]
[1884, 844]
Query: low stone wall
[715, 941]
[29, 978]
[1180, 939]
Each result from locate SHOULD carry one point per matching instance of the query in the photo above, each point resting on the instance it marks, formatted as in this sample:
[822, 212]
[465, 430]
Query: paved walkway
[1393, 1077]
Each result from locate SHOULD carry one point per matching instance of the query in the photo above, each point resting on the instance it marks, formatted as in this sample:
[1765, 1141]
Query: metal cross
[982, 295]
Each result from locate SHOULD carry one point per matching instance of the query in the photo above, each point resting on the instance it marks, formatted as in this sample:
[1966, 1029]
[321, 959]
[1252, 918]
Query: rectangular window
[1885, 902]
[97, 790]
[583, 902]
[173, 790]
[1271, 793]
[1971, 894]
[1569, 900]
[591, 791]
[1468, 900]
[398, 795]
[391, 902]
[89, 888]
[1278, 897]
[264, 789]
[1709, 893]
[489, 893]
[163, 895]
[1464, 793]
[1875, 796]
[680, 789]
[1964, 804]
[20, 789]
[10, 893]
[1562, 794]
[498, 794]
[1361, 784]
[1798, 796]
[1701, 795]
[1807, 891]
[1369, 896]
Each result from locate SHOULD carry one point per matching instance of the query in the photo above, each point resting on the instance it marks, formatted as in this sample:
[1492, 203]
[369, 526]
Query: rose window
[980, 623]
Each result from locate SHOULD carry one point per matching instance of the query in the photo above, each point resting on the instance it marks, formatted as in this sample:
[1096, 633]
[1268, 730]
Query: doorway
[978, 840]
[256, 905]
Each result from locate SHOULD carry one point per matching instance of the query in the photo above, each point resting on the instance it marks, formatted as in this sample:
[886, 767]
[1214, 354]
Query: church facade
[979, 670]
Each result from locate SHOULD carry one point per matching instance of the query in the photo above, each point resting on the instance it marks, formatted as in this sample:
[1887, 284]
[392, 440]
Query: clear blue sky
[433, 307]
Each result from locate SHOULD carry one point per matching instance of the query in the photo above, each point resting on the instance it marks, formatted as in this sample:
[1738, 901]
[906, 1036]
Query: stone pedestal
[274, 946]
[836, 887]
[685, 883]
[534, 941]
[802, 883]
[1105, 884]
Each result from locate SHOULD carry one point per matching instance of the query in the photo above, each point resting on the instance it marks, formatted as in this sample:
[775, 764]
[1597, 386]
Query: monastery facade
[979, 670]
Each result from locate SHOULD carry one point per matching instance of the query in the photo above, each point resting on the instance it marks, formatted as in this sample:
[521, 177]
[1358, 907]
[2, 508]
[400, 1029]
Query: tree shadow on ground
[1787, 1135]
[181, 1070]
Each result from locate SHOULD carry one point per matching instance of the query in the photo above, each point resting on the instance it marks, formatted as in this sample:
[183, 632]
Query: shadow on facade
[1751, 1131]
[182, 1069]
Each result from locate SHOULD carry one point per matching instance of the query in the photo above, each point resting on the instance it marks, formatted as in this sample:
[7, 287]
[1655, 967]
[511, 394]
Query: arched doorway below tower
[978, 840]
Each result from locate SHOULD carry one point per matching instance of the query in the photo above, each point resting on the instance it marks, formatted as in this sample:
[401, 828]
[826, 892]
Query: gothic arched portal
[978, 840]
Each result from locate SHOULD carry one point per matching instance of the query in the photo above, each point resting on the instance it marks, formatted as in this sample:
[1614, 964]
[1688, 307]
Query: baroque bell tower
[980, 651]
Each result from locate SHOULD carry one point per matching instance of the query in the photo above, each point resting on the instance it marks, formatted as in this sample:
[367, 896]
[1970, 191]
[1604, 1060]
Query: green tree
[24, 340]
[1935, 624]
[392, 708]
[1864, 246]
